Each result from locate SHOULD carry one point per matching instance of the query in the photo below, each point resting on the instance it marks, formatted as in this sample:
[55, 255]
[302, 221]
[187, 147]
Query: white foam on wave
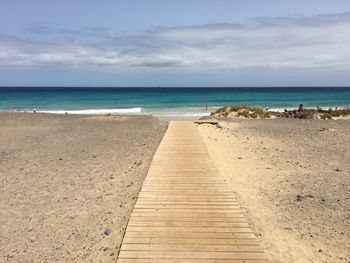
[178, 112]
[184, 114]
[94, 111]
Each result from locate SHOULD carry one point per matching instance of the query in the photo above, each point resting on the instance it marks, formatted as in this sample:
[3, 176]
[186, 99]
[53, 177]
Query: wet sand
[69, 183]
[293, 180]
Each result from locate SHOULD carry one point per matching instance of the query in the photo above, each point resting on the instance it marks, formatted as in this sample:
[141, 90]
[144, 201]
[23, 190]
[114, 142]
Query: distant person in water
[206, 108]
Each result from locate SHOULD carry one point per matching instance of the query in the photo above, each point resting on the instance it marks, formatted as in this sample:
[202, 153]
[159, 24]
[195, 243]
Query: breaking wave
[94, 111]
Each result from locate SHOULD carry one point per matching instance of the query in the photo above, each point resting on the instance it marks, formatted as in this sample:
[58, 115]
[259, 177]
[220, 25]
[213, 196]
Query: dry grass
[254, 113]
[340, 113]
[324, 114]
[244, 111]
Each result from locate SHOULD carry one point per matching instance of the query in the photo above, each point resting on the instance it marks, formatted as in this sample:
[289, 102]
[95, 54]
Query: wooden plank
[193, 199]
[190, 193]
[191, 254]
[143, 205]
[185, 212]
[212, 212]
[188, 184]
[237, 219]
[187, 224]
[145, 201]
[162, 187]
[191, 229]
[192, 247]
[181, 199]
[193, 215]
[186, 208]
[188, 235]
[198, 241]
[192, 260]
[188, 197]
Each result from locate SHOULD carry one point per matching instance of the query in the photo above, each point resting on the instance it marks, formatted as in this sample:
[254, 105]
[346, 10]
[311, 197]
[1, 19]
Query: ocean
[166, 102]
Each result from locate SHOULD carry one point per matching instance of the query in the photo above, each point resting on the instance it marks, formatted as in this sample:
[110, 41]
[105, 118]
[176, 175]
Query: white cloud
[304, 42]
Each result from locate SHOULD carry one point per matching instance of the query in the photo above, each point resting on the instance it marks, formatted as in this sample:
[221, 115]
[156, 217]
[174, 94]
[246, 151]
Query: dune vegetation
[258, 113]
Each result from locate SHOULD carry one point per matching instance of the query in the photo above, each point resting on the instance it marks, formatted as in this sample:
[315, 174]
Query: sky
[184, 43]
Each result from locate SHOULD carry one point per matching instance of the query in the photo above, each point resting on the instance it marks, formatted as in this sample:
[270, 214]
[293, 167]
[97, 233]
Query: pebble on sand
[107, 232]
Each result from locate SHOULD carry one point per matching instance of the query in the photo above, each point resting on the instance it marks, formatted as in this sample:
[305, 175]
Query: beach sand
[69, 183]
[292, 178]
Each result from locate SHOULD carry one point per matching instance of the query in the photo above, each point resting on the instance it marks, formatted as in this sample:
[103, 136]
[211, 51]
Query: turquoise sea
[166, 102]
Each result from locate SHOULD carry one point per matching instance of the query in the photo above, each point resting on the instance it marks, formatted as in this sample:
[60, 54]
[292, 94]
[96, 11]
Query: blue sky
[174, 43]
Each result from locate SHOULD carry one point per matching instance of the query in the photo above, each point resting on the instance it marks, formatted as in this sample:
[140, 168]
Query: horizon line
[175, 87]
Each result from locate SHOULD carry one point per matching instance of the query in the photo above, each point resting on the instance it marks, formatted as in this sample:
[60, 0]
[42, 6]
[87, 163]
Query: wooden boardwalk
[185, 212]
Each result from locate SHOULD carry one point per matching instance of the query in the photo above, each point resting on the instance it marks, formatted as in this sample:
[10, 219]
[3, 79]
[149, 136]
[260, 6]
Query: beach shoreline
[168, 102]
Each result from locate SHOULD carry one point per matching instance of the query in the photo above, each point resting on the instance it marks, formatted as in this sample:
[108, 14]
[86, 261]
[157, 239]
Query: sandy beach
[69, 183]
[292, 178]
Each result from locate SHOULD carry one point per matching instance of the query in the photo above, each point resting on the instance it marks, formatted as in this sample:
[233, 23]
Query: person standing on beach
[300, 112]
[301, 108]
